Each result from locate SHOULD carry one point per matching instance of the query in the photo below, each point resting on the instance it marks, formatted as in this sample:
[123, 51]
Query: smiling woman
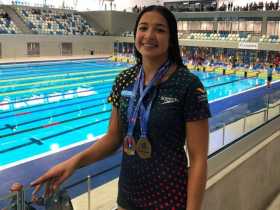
[152, 37]
[158, 107]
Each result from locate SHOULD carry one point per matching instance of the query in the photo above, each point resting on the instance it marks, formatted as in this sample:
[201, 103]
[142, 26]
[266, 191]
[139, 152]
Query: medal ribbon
[144, 112]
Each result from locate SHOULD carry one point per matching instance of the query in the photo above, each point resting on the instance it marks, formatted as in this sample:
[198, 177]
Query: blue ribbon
[133, 111]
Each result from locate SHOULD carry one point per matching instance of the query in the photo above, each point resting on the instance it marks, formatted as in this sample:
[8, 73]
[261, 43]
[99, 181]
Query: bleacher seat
[269, 38]
[60, 22]
[223, 35]
[7, 26]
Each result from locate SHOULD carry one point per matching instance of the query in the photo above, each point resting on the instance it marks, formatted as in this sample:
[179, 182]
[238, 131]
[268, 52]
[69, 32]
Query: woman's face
[152, 36]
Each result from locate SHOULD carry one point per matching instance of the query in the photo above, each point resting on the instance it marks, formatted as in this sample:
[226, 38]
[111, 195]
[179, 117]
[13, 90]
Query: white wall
[15, 46]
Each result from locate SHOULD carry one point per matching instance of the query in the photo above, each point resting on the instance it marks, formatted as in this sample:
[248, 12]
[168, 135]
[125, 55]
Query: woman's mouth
[150, 45]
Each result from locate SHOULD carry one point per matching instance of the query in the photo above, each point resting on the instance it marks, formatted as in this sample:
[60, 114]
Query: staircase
[90, 17]
[18, 21]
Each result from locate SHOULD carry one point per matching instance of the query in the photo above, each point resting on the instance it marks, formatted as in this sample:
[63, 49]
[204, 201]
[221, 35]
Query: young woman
[158, 106]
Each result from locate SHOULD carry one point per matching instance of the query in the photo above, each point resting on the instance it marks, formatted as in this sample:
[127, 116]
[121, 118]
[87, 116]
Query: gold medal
[144, 148]
[129, 145]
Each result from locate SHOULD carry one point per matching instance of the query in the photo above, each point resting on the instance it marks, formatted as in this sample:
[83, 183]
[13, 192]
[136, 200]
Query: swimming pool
[48, 106]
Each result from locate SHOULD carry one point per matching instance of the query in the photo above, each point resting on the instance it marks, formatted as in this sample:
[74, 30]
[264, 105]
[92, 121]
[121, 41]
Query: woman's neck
[150, 68]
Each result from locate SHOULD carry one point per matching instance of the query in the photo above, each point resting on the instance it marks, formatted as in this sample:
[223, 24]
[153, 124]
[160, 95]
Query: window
[273, 28]
[33, 49]
[66, 48]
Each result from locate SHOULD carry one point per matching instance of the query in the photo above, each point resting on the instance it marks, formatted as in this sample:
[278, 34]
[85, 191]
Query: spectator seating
[224, 36]
[7, 26]
[128, 34]
[270, 39]
[277, 69]
[60, 22]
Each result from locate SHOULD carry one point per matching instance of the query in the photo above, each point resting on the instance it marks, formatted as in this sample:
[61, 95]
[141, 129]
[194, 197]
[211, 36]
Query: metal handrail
[92, 176]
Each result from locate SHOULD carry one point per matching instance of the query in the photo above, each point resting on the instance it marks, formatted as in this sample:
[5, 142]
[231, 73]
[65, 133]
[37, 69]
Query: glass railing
[230, 125]
[226, 128]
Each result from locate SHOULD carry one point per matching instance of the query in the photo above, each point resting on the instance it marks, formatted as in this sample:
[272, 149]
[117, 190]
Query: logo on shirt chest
[168, 100]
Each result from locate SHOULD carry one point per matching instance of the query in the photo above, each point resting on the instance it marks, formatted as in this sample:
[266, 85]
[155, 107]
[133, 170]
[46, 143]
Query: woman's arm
[197, 144]
[109, 143]
[105, 146]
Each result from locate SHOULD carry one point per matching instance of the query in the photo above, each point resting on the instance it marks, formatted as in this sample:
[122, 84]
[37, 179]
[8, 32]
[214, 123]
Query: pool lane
[40, 117]
[20, 148]
[54, 126]
[10, 88]
[36, 77]
[229, 89]
[53, 100]
[55, 88]
[13, 72]
[60, 64]
[206, 75]
[90, 95]
[220, 80]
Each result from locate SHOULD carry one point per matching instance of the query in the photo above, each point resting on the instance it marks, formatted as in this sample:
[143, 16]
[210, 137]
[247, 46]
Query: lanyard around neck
[133, 111]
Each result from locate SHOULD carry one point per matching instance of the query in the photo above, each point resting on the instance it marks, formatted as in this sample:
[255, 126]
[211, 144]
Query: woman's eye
[142, 28]
[160, 30]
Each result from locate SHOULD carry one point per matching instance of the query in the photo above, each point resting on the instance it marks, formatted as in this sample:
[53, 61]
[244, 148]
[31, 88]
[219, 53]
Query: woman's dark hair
[173, 50]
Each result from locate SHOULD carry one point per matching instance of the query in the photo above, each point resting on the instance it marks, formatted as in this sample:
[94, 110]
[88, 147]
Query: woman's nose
[150, 33]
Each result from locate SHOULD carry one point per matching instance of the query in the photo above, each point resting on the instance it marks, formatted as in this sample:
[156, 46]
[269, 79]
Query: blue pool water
[51, 105]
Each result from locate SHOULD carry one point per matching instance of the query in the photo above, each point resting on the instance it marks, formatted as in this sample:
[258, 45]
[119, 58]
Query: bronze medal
[129, 145]
[144, 148]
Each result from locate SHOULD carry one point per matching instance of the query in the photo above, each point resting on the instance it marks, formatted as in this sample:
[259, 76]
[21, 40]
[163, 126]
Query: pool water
[52, 105]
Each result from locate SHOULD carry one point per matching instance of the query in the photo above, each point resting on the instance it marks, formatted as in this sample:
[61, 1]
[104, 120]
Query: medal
[129, 145]
[144, 148]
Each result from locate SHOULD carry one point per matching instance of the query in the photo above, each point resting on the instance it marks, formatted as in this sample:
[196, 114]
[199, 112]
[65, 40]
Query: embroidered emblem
[201, 95]
[200, 90]
[168, 100]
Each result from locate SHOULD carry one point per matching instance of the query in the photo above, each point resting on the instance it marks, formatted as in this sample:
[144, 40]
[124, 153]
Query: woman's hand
[54, 177]
[97, 151]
